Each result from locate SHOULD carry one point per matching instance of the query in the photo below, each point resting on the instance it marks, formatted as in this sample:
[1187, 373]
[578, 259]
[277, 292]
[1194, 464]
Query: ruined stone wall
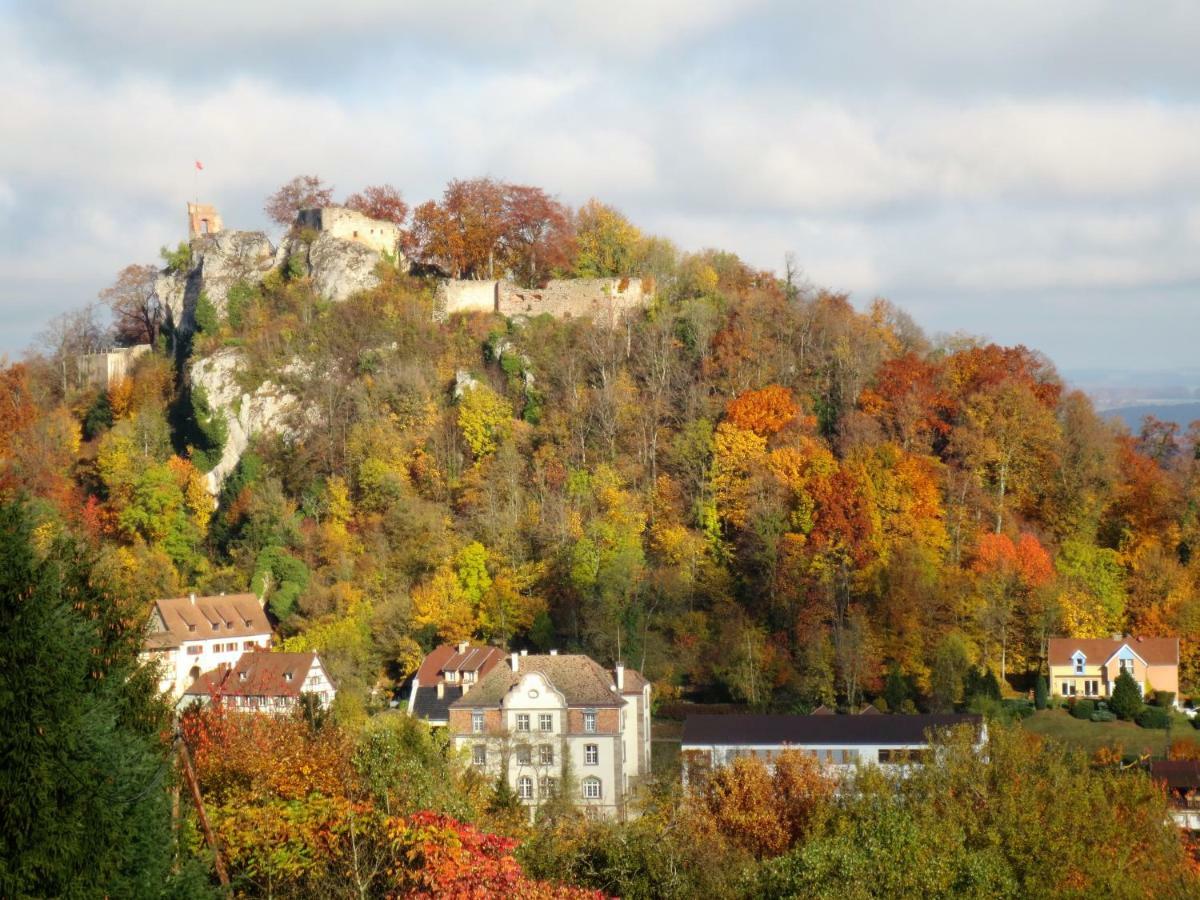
[107, 368]
[349, 225]
[457, 295]
[602, 299]
[203, 219]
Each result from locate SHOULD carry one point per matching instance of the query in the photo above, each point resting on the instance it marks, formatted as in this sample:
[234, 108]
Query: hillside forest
[751, 490]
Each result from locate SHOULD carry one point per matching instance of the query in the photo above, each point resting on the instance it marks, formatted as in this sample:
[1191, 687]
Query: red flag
[199, 165]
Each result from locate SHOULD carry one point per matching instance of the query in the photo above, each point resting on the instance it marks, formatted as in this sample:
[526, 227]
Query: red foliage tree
[302, 192]
[380, 201]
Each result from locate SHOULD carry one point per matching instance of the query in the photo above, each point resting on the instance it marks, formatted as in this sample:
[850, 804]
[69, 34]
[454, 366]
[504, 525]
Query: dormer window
[1080, 661]
[287, 676]
[241, 676]
[216, 626]
[191, 628]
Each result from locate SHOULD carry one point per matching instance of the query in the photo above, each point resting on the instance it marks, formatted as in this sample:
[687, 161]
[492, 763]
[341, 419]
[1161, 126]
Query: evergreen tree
[84, 777]
[895, 689]
[1041, 692]
[1126, 700]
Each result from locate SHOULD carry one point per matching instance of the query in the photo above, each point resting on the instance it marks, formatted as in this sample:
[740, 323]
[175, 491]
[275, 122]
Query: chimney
[462, 646]
[466, 686]
[524, 652]
[514, 661]
[441, 690]
[554, 653]
[192, 597]
[1116, 637]
[620, 670]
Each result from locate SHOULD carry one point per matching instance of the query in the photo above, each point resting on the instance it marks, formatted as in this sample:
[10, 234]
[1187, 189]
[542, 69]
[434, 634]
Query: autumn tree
[606, 242]
[537, 234]
[379, 201]
[302, 192]
[766, 812]
[463, 232]
[136, 310]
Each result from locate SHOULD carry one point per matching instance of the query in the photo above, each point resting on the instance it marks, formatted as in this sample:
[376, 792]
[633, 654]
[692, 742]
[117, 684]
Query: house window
[1125, 665]
[545, 722]
[591, 788]
[523, 756]
[591, 754]
[548, 785]
[525, 787]
[477, 721]
[247, 645]
[479, 755]
[195, 650]
[522, 721]
[589, 722]
[545, 755]
[1079, 660]
[1087, 688]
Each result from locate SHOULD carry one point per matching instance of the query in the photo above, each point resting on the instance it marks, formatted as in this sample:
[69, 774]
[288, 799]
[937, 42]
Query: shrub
[208, 320]
[1083, 709]
[1041, 692]
[1165, 699]
[179, 259]
[1126, 700]
[1154, 717]
[1103, 715]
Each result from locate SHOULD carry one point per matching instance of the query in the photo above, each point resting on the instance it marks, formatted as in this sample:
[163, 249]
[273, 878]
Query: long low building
[838, 741]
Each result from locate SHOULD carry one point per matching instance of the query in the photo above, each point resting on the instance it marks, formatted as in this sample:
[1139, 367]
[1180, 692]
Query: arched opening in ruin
[204, 226]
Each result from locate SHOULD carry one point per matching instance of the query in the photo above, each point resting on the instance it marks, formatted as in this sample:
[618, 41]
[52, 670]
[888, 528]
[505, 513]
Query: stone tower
[202, 219]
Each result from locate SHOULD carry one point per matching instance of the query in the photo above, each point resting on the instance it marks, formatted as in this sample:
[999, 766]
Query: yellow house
[1088, 667]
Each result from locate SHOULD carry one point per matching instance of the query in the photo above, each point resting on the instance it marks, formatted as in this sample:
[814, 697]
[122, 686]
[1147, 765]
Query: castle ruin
[351, 225]
[203, 219]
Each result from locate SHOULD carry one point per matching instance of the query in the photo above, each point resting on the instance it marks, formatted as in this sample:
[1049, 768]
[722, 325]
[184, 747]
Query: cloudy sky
[1029, 171]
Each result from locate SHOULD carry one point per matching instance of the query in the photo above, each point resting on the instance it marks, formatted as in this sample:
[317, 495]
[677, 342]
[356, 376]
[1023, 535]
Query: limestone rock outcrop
[340, 268]
[267, 410]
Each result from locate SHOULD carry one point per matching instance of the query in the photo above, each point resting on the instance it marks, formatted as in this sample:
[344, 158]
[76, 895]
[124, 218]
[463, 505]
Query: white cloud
[700, 119]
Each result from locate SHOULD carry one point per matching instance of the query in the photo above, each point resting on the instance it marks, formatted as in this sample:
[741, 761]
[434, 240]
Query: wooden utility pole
[190, 775]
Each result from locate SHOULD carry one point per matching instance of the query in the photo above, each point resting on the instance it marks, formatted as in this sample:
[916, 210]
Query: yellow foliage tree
[738, 458]
[442, 603]
[485, 419]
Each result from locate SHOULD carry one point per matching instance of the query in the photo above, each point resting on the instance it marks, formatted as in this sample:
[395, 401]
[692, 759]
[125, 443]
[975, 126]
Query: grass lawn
[1090, 736]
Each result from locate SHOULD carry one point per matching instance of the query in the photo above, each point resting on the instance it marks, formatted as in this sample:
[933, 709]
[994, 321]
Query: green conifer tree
[1126, 700]
[84, 776]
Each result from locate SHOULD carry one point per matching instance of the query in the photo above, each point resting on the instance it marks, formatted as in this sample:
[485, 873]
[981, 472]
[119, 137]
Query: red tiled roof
[188, 619]
[1156, 651]
[447, 658]
[257, 674]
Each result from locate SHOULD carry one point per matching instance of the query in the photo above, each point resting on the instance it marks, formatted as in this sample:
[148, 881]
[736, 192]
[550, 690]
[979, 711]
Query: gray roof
[818, 730]
[428, 706]
[580, 679]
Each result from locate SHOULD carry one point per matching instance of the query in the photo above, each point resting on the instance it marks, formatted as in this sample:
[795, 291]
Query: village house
[448, 672]
[558, 722]
[838, 742]
[1180, 778]
[187, 636]
[260, 681]
[1089, 667]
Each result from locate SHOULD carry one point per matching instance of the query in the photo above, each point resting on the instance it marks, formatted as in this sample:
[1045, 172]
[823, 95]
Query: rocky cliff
[267, 410]
[339, 268]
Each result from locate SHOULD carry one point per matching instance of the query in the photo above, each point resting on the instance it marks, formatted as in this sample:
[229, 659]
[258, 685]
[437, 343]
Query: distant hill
[1183, 413]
